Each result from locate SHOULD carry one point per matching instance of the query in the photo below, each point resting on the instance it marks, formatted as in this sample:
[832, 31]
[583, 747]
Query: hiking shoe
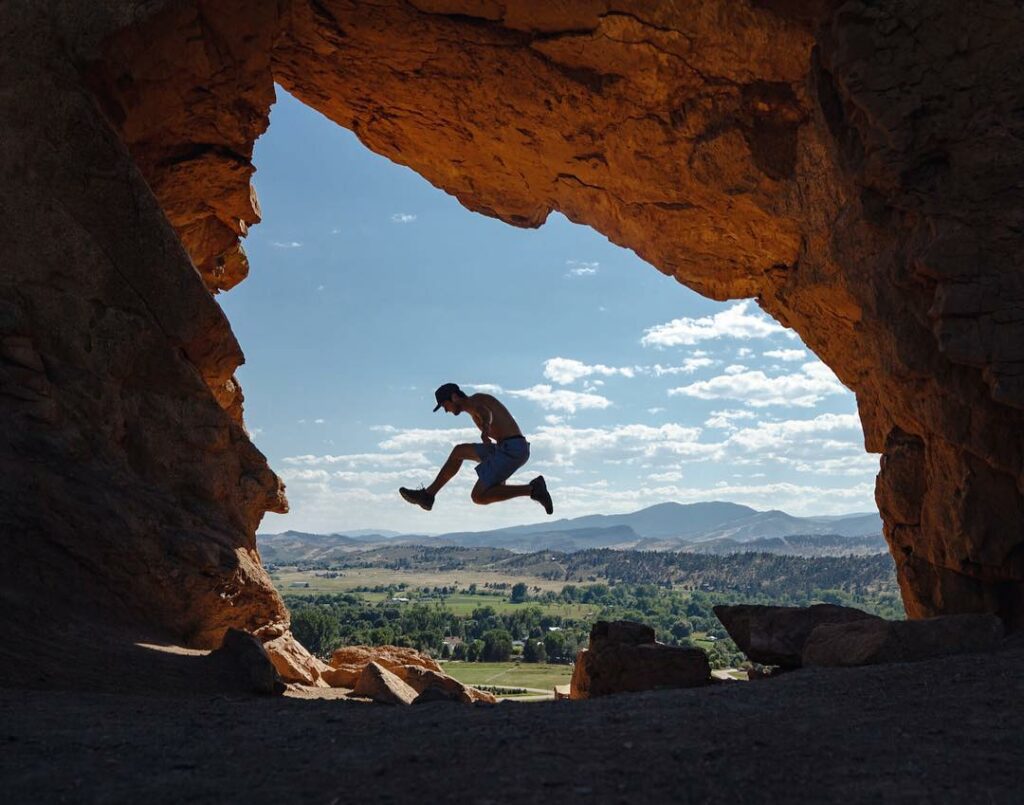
[420, 497]
[539, 492]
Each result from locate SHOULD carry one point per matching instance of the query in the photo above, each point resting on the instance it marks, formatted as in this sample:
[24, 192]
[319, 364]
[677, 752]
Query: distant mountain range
[714, 527]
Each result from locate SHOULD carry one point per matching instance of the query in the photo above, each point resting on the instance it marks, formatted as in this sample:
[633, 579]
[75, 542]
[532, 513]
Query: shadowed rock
[623, 657]
[876, 641]
[253, 663]
[776, 635]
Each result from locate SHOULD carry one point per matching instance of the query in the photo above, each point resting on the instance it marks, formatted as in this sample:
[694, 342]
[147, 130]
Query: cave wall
[130, 496]
[854, 167]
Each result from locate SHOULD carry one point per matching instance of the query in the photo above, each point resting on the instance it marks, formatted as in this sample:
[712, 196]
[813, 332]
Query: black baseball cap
[445, 392]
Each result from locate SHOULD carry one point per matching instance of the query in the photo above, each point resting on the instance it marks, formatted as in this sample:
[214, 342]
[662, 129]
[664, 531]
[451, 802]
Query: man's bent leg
[498, 493]
[460, 453]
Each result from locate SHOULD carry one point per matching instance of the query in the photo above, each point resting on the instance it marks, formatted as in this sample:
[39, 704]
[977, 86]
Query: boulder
[243, 652]
[624, 657]
[379, 684]
[423, 679]
[776, 635]
[436, 695]
[876, 641]
[348, 662]
[294, 663]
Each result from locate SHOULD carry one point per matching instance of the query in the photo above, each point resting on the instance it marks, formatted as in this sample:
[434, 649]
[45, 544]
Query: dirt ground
[941, 731]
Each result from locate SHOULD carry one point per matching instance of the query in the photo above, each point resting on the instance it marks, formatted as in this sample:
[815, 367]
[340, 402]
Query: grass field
[538, 676]
[372, 576]
[459, 603]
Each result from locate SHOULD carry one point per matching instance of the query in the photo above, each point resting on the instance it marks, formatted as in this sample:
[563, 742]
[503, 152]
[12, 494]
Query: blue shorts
[499, 461]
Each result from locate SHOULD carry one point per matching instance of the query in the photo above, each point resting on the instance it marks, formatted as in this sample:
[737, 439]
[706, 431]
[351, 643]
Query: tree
[460, 651]
[518, 593]
[533, 651]
[316, 629]
[475, 652]
[497, 645]
[554, 645]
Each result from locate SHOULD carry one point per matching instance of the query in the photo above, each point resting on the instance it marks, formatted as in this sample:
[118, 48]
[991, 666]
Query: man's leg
[498, 493]
[460, 453]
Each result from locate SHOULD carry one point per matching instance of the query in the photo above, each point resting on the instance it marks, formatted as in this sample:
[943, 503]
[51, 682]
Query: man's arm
[483, 416]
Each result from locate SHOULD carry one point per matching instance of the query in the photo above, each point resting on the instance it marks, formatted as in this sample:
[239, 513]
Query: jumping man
[496, 462]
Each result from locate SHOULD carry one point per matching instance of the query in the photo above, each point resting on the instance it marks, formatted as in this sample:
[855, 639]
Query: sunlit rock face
[855, 168]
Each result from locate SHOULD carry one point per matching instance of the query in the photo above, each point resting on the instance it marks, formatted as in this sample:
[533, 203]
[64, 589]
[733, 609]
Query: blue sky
[369, 287]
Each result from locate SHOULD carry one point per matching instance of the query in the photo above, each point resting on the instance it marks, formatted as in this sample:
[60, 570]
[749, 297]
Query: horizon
[385, 531]
[632, 389]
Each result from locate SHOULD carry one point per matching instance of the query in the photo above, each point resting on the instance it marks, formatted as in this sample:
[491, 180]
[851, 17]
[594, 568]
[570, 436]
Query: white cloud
[411, 459]
[622, 441]
[319, 287]
[804, 389]
[733, 322]
[734, 369]
[403, 218]
[427, 438]
[856, 464]
[291, 244]
[655, 410]
[485, 388]
[770, 435]
[567, 370]
[724, 419]
[580, 268]
[744, 352]
[319, 421]
[666, 477]
[688, 367]
[561, 399]
[786, 354]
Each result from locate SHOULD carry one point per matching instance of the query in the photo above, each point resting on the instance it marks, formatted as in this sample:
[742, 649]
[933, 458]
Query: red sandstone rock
[857, 172]
[623, 657]
[294, 663]
[422, 680]
[379, 684]
[348, 662]
[776, 635]
[876, 641]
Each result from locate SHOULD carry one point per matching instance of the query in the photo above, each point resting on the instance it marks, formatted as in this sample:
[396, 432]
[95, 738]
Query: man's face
[451, 405]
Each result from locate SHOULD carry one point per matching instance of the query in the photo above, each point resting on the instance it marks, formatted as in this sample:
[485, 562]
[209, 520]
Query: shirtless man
[496, 461]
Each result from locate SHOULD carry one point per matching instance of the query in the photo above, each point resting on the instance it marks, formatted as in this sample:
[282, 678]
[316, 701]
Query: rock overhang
[849, 166]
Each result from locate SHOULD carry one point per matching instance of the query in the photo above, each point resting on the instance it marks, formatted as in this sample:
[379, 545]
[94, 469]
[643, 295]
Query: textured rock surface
[294, 663]
[623, 657]
[348, 662]
[129, 495]
[876, 641]
[247, 654]
[378, 683]
[776, 635]
[855, 167]
[423, 680]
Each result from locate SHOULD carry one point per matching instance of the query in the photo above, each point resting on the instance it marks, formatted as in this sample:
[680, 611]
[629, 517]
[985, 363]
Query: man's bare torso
[501, 425]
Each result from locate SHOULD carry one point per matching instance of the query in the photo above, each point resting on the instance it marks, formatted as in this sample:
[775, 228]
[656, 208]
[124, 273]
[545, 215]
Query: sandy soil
[941, 731]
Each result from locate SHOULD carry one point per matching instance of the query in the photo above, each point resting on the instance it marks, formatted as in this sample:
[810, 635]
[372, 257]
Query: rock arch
[855, 167]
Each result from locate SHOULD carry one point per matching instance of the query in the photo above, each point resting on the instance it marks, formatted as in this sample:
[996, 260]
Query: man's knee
[480, 496]
[462, 452]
